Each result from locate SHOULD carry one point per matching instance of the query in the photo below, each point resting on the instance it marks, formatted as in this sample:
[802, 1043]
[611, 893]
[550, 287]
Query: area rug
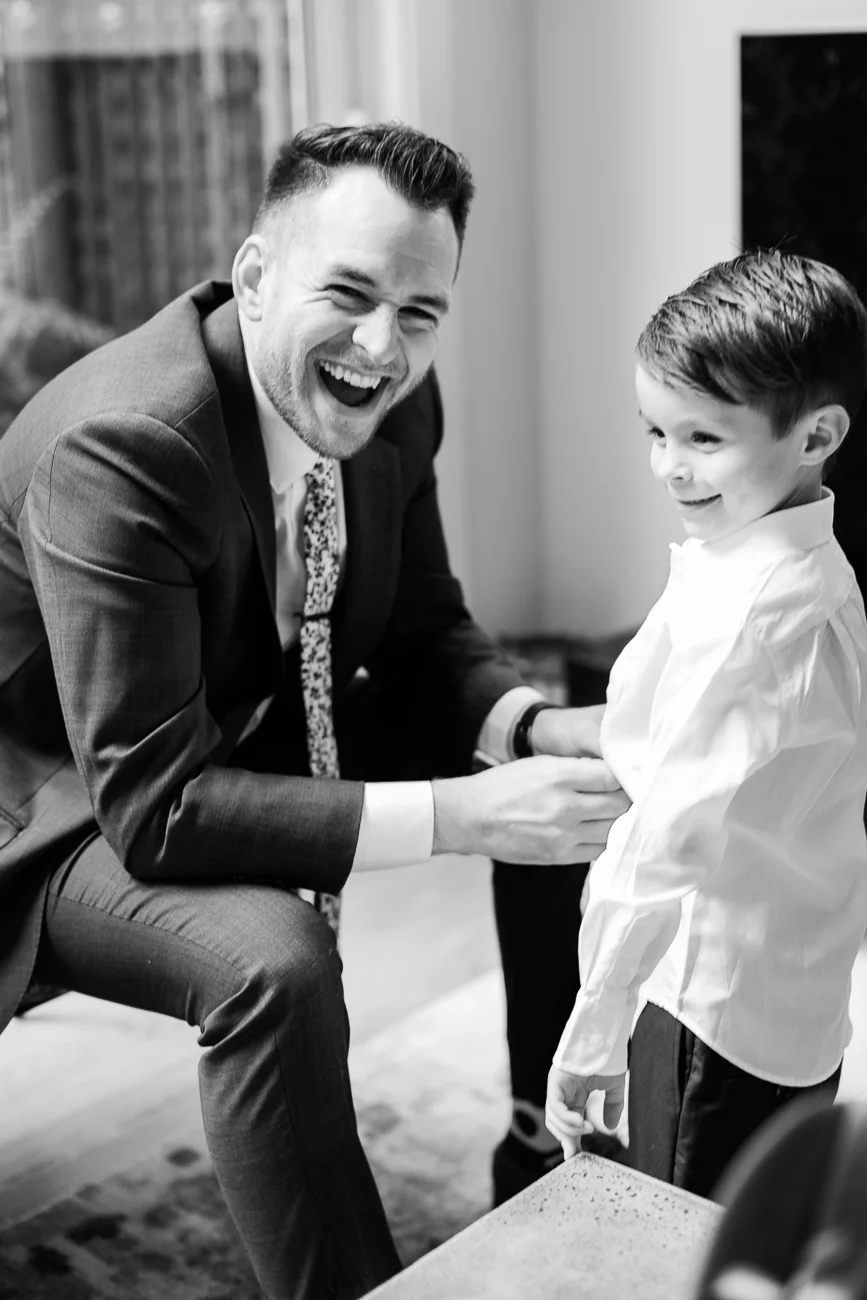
[431, 1094]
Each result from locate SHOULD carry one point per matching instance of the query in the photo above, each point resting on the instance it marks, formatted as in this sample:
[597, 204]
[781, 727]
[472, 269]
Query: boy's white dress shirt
[735, 887]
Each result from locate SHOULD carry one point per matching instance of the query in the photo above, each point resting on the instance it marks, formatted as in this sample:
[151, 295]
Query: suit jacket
[137, 630]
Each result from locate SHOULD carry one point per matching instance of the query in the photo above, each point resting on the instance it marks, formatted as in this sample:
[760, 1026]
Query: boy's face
[720, 462]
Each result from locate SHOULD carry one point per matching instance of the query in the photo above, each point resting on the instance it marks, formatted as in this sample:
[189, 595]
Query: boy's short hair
[768, 329]
[423, 170]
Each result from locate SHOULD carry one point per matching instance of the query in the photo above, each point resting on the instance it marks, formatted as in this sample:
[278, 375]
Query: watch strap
[521, 746]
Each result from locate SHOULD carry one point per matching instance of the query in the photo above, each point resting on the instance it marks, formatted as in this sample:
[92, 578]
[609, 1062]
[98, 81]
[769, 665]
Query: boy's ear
[824, 430]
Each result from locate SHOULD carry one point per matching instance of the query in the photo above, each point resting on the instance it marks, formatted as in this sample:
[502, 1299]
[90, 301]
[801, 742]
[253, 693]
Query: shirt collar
[289, 459]
[800, 528]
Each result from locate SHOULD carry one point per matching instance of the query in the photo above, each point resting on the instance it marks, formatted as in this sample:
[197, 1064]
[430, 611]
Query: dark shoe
[599, 1143]
[516, 1166]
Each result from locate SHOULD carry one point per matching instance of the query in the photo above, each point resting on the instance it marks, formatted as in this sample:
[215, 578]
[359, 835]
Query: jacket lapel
[222, 336]
[371, 493]
[372, 500]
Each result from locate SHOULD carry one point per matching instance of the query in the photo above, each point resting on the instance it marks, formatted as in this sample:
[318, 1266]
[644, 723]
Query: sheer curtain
[134, 140]
[134, 137]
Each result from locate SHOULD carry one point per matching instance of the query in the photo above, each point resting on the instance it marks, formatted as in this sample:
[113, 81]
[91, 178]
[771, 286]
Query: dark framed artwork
[804, 188]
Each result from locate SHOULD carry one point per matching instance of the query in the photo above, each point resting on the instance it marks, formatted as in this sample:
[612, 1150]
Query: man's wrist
[522, 746]
[448, 833]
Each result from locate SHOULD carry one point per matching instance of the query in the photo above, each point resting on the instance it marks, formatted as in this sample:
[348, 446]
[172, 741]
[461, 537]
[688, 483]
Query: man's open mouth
[348, 386]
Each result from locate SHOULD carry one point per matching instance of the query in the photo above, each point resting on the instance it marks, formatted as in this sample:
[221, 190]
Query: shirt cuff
[596, 1037]
[397, 825]
[495, 738]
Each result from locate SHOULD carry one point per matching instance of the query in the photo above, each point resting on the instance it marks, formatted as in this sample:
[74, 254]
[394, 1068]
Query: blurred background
[620, 146]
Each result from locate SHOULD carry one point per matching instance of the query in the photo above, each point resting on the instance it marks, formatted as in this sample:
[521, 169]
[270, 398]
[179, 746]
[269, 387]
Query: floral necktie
[322, 563]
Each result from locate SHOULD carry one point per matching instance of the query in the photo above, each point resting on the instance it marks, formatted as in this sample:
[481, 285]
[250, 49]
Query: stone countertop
[590, 1230]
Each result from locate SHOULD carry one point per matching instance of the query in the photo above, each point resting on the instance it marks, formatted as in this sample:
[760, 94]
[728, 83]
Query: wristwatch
[521, 746]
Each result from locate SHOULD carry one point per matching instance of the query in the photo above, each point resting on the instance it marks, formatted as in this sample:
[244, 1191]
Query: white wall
[461, 69]
[604, 136]
[491, 411]
[637, 189]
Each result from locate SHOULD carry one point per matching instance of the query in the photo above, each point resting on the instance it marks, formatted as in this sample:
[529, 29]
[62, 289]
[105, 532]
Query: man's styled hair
[425, 172]
[769, 329]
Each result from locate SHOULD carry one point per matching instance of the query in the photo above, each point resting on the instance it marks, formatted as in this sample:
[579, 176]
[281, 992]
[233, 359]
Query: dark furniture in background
[804, 189]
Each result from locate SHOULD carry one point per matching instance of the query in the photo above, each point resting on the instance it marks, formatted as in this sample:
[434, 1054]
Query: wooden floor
[87, 1088]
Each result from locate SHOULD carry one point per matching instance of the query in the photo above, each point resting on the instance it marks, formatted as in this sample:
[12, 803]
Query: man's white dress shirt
[734, 890]
[397, 820]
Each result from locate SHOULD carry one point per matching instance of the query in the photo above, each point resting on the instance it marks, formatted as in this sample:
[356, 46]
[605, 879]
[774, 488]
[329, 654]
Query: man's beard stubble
[275, 374]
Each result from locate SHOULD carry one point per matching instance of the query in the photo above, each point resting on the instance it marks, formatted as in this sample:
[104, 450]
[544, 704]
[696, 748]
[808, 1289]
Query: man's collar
[289, 459]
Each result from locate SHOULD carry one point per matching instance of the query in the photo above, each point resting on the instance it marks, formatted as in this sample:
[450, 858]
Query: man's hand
[541, 810]
[570, 733]
[567, 1100]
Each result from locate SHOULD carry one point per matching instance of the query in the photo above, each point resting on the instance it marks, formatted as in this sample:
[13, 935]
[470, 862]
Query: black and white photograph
[433, 656]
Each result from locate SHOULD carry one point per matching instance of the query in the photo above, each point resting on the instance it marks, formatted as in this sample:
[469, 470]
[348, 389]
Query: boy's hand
[568, 733]
[567, 1099]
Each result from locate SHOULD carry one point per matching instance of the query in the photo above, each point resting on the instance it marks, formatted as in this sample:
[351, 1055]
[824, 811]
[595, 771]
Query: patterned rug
[432, 1100]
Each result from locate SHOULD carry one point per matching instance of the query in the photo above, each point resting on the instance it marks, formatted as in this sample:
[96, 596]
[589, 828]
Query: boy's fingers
[612, 1107]
[611, 1113]
[571, 1147]
[567, 1125]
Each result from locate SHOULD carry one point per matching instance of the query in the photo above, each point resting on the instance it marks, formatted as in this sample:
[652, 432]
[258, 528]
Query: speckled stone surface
[591, 1230]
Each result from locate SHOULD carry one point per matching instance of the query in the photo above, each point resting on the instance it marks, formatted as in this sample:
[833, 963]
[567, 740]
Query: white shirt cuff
[397, 825]
[495, 738]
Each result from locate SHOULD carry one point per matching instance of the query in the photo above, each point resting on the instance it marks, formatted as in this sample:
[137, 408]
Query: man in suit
[172, 508]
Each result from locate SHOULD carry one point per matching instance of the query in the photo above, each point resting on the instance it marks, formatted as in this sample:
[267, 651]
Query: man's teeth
[354, 377]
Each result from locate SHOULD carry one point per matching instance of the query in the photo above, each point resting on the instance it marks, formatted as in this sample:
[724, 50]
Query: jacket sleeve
[450, 672]
[118, 525]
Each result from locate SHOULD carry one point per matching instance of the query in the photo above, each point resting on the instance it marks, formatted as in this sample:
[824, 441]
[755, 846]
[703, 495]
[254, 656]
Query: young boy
[733, 893]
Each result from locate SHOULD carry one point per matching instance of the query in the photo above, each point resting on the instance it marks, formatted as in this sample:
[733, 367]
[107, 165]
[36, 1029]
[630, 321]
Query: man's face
[355, 286]
[720, 462]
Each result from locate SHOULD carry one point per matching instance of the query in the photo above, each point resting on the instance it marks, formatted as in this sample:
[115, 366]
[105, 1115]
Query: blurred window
[134, 138]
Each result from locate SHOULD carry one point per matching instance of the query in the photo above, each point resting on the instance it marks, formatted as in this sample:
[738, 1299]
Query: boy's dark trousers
[691, 1110]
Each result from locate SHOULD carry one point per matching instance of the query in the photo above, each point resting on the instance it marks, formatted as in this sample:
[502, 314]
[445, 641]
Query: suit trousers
[256, 970]
[691, 1110]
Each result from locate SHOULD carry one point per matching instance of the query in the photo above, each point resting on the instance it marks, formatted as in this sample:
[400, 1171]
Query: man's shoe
[600, 1143]
[516, 1166]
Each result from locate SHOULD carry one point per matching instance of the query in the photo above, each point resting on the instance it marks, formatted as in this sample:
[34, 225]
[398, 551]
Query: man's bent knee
[295, 950]
[285, 963]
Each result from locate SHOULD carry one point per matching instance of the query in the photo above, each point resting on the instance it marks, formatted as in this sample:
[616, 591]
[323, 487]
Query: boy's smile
[720, 461]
